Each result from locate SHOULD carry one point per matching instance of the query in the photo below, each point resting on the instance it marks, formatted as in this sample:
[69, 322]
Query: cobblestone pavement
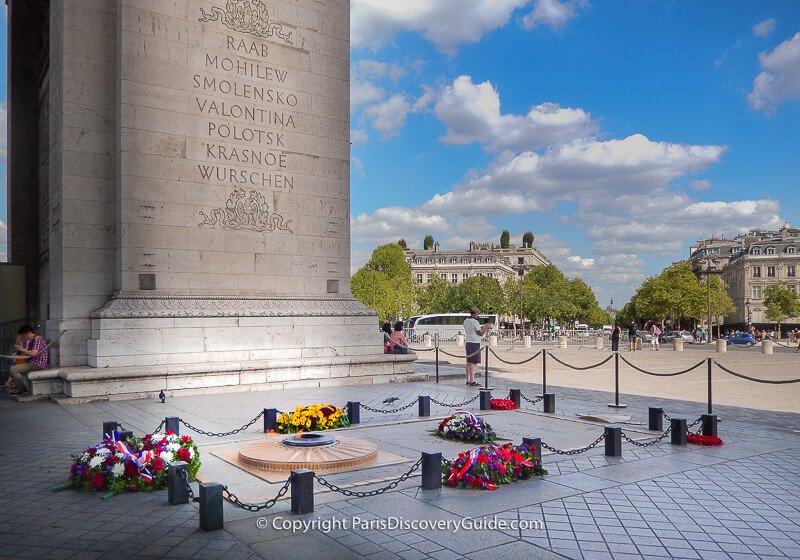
[741, 500]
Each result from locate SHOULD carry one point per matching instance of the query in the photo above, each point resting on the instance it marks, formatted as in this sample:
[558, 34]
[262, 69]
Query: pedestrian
[655, 333]
[32, 346]
[632, 337]
[400, 340]
[615, 332]
[474, 332]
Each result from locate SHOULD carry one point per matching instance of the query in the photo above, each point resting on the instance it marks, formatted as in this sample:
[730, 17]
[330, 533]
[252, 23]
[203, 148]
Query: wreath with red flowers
[488, 466]
[699, 439]
[465, 426]
[502, 404]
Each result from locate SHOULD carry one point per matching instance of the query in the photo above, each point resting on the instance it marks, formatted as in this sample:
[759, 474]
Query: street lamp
[747, 312]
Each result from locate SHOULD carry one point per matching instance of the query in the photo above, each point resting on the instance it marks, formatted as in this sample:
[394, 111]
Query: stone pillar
[493, 340]
[526, 341]
[460, 340]
[766, 346]
[722, 346]
[598, 342]
[677, 344]
[427, 340]
[562, 341]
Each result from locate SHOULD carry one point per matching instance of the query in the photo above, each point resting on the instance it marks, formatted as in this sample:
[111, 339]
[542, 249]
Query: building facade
[480, 259]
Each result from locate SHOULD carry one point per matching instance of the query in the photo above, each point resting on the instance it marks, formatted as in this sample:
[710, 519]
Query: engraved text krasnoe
[247, 16]
[246, 210]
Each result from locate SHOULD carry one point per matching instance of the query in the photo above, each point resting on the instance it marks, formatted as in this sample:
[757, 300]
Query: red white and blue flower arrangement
[133, 465]
[465, 426]
[488, 466]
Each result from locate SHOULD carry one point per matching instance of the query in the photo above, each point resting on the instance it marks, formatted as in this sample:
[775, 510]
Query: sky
[617, 132]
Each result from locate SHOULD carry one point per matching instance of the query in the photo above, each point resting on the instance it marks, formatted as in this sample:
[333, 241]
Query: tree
[675, 292]
[505, 239]
[780, 303]
[721, 302]
[480, 291]
[402, 243]
[386, 279]
[527, 239]
[428, 242]
[434, 297]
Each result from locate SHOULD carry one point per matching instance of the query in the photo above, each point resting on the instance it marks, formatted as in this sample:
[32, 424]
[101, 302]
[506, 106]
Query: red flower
[158, 464]
[170, 432]
[98, 481]
[131, 469]
[147, 437]
[502, 469]
[111, 460]
[133, 488]
[482, 459]
[91, 451]
[186, 439]
[183, 455]
[147, 447]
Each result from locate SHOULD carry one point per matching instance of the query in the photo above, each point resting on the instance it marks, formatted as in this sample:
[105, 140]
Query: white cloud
[358, 136]
[699, 184]
[376, 69]
[471, 113]
[388, 116]
[764, 28]
[362, 92]
[358, 165]
[446, 23]
[552, 13]
[780, 78]
[3, 238]
[581, 262]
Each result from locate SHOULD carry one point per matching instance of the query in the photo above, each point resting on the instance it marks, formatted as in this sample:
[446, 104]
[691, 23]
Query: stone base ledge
[83, 383]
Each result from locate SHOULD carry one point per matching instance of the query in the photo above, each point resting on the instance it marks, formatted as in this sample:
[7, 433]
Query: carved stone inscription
[249, 112]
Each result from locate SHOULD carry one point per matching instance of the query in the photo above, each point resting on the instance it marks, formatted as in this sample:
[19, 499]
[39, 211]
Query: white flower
[119, 455]
[118, 469]
[173, 447]
[191, 453]
[96, 461]
[103, 451]
[84, 457]
[158, 436]
[167, 456]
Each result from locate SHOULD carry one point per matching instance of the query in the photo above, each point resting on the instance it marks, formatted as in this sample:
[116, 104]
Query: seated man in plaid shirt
[32, 346]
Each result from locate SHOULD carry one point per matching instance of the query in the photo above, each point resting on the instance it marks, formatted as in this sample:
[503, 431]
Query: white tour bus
[446, 325]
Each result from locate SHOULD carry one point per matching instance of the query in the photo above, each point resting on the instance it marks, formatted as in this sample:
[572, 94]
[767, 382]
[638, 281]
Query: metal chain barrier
[575, 451]
[456, 405]
[185, 477]
[514, 363]
[692, 425]
[392, 411]
[221, 434]
[666, 416]
[526, 399]
[366, 494]
[580, 368]
[233, 499]
[747, 377]
[648, 443]
[687, 370]
[457, 356]
[159, 427]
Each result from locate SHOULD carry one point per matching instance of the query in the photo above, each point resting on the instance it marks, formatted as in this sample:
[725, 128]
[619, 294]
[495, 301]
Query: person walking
[474, 332]
[632, 337]
[655, 333]
[615, 334]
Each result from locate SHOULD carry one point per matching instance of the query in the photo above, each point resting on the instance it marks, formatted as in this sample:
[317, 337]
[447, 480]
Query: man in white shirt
[474, 332]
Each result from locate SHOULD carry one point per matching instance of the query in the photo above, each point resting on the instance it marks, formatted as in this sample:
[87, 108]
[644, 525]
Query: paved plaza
[741, 500]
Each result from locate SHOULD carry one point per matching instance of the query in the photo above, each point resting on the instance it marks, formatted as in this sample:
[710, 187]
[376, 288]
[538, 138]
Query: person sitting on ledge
[34, 347]
[400, 340]
[388, 343]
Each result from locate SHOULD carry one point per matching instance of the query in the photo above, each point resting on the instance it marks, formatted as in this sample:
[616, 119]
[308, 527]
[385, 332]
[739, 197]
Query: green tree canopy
[428, 242]
[527, 239]
[480, 291]
[780, 303]
[402, 243]
[434, 297]
[387, 278]
[505, 239]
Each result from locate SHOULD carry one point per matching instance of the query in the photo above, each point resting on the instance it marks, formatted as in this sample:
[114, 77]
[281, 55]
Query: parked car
[685, 335]
[741, 338]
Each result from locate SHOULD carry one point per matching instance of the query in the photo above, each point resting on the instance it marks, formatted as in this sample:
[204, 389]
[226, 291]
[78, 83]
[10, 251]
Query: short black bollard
[486, 399]
[709, 424]
[302, 491]
[655, 419]
[424, 405]
[549, 402]
[177, 493]
[211, 516]
[431, 471]
[535, 444]
[354, 412]
[172, 423]
[613, 441]
[109, 427]
[516, 396]
[125, 436]
[270, 419]
[678, 433]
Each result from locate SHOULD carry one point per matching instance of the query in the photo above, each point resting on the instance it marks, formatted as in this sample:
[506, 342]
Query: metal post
[516, 396]
[709, 424]
[709, 385]
[211, 515]
[270, 419]
[177, 492]
[616, 403]
[655, 419]
[544, 370]
[109, 427]
[126, 435]
[302, 491]
[486, 371]
[678, 433]
[535, 445]
[172, 423]
[354, 412]
[424, 405]
[437, 359]
[431, 471]
[613, 441]
[485, 399]
[549, 403]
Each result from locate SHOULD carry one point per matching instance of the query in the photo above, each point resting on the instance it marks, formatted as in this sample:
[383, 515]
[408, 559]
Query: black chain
[747, 377]
[526, 399]
[159, 427]
[575, 451]
[687, 370]
[666, 416]
[456, 405]
[692, 425]
[234, 499]
[649, 443]
[221, 434]
[598, 364]
[514, 363]
[351, 493]
[457, 356]
[392, 411]
[185, 477]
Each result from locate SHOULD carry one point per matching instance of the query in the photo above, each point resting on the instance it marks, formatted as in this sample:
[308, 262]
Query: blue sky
[618, 132]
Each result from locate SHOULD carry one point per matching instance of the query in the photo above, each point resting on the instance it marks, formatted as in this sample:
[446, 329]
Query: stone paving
[741, 500]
